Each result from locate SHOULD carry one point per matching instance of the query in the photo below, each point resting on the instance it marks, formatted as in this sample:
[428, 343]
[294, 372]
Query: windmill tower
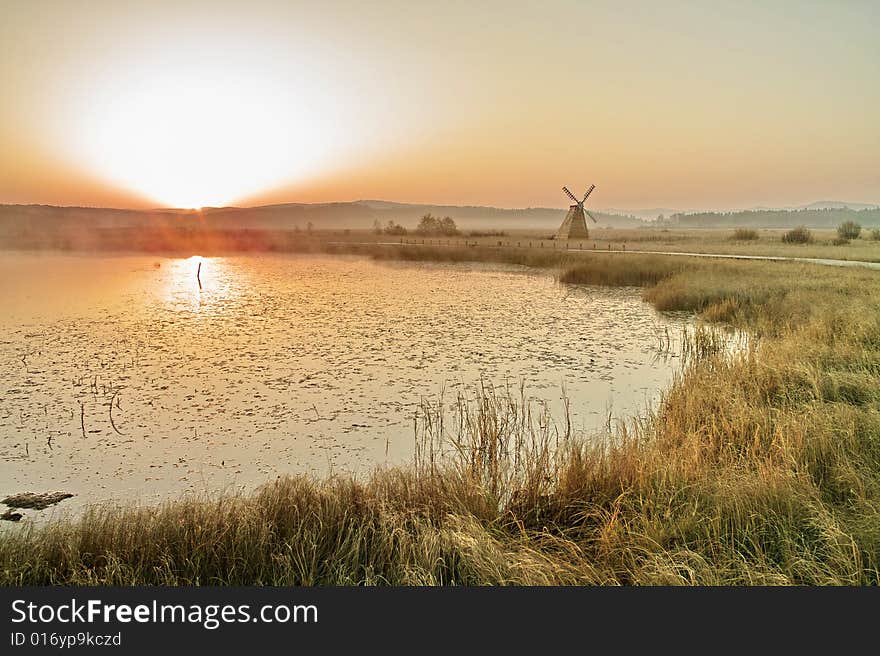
[575, 224]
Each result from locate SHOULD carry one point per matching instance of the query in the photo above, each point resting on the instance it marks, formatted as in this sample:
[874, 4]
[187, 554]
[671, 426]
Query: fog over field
[43, 225]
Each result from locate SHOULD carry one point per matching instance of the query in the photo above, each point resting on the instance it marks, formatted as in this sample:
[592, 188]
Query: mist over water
[127, 377]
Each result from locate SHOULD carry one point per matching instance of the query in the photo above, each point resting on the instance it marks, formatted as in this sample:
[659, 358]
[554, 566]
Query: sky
[711, 105]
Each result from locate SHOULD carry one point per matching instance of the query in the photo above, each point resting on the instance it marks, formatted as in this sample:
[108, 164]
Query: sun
[193, 139]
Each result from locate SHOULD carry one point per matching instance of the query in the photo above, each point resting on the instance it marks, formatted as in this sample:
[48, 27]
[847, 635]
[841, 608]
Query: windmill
[575, 224]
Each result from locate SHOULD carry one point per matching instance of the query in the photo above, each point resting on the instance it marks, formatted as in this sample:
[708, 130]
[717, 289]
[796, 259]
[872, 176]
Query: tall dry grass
[745, 234]
[759, 466]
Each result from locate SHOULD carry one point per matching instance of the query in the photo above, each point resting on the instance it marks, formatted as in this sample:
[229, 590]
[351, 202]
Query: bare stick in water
[110, 405]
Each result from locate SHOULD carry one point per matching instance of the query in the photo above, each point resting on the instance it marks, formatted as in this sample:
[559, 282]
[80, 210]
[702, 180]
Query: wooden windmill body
[575, 224]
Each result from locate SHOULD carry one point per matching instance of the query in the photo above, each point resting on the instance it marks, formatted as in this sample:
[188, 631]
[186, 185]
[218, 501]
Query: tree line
[428, 225]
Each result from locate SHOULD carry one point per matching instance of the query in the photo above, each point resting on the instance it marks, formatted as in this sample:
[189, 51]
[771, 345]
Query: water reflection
[197, 283]
[285, 364]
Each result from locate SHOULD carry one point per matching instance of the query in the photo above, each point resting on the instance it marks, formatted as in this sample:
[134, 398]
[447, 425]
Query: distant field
[769, 242]
[194, 240]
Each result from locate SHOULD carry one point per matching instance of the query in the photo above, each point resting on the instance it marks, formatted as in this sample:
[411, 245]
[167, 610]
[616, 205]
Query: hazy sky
[676, 104]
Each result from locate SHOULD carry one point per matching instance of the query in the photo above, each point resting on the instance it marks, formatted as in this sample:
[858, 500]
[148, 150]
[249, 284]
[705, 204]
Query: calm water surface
[284, 364]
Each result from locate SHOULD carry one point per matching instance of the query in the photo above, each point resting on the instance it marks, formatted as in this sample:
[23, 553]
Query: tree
[428, 225]
[432, 225]
[394, 229]
[448, 227]
[849, 230]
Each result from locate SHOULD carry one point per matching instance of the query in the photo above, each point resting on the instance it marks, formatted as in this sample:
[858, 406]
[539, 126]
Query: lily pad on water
[35, 501]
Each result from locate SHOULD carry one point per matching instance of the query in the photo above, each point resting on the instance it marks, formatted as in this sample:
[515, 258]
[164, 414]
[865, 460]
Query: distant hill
[811, 218]
[363, 214]
[289, 216]
[836, 205]
[818, 205]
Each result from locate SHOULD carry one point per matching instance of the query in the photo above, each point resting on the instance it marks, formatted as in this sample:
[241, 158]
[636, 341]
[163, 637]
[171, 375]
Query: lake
[130, 378]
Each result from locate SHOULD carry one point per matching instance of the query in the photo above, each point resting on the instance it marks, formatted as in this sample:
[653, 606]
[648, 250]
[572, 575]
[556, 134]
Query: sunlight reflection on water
[194, 282]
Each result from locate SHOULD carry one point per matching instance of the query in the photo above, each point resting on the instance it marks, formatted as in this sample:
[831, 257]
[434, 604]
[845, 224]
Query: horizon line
[607, 210]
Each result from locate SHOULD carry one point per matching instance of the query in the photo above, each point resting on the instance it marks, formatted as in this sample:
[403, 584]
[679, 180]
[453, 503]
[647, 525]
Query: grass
[760, 466]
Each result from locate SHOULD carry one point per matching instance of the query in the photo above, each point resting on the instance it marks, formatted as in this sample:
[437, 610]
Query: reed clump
[745, 234]
[537, 258]
[760, 465]
[623, 270]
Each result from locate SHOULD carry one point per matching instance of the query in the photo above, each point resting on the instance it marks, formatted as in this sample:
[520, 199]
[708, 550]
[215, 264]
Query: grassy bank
[757, 468]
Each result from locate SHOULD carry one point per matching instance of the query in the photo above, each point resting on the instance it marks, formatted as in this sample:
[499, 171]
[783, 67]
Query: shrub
[849, 230]
[798, 236]
[744, 234]
[875, 234]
